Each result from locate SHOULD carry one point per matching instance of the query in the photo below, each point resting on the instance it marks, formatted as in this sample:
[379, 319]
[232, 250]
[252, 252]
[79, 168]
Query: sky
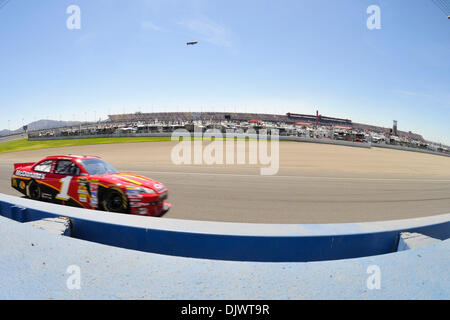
[252, 56]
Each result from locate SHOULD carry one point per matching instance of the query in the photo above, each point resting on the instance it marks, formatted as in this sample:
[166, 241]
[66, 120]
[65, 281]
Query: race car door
[68, 173]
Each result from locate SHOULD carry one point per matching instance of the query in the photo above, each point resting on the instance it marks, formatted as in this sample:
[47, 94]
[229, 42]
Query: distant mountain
[40, 125]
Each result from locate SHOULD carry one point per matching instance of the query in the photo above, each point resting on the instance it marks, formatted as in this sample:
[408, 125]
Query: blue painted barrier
[230, 241]
[34, 264]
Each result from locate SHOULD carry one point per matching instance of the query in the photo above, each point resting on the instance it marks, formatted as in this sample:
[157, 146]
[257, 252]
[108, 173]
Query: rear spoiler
[20, 165]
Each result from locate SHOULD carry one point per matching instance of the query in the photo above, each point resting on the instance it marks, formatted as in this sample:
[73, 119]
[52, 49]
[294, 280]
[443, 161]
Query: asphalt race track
[315, 184]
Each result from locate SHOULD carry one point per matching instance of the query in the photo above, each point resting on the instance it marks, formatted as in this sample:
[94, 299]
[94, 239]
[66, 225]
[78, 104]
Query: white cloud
[411, 93]
[148, 25]
[208, 31]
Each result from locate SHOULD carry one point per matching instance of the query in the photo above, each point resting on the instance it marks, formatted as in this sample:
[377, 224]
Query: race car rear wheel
[115, 201]
[34, 191]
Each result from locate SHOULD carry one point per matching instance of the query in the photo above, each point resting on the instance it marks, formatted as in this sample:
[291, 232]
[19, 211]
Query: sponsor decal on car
[94, 194]
[133, 193]
[93, 186]
[134, 196]
[138, 204]
[142, 211]
[157, 186]
[46, 196]
[27, 174]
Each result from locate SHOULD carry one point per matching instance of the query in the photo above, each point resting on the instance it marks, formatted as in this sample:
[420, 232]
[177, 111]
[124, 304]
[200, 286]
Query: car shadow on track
[48, 201]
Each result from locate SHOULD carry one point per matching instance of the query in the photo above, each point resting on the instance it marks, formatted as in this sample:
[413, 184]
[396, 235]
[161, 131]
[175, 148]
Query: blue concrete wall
[33, 265]
[230, 241]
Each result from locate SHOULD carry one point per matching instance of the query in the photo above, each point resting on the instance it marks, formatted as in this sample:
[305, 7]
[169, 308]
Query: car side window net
[67, 167]
[45, 166]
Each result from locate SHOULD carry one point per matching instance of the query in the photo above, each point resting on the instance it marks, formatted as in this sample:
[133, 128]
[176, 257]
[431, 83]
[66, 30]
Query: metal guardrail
[402, 148]
[281, 138]
[206, 135]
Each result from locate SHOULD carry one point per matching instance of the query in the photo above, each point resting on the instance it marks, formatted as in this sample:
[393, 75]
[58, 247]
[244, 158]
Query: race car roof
[72, 156]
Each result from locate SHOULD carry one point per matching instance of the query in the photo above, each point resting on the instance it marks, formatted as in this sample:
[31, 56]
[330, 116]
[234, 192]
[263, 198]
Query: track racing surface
[316, 183]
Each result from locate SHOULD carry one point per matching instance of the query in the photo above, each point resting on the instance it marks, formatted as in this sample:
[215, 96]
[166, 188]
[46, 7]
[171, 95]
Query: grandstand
[291, 124]
[319, 120]
[289, 118]
[196, 116]
[386, 131]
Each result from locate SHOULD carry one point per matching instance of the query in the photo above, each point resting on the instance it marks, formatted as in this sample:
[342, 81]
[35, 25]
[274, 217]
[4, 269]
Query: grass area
[24, 144]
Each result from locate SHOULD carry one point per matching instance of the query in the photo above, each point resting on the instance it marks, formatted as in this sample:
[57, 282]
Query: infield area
[315, 184]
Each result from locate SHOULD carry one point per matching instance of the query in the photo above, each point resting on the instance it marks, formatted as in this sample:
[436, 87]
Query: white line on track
[290, 177]
[294, 177]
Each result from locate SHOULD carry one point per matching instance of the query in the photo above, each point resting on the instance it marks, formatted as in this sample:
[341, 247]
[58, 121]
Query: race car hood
[132, 179]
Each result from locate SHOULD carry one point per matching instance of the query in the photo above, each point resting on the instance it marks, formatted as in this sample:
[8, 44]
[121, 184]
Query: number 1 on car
[62, 195]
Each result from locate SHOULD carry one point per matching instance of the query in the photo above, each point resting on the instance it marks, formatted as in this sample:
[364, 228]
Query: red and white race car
[89, 182]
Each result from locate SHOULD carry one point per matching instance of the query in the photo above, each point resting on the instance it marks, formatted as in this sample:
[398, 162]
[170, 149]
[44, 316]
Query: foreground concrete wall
[35, 264]
[230, 241]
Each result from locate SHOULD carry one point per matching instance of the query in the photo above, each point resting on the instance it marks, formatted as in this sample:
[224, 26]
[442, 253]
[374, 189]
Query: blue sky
[253, 56]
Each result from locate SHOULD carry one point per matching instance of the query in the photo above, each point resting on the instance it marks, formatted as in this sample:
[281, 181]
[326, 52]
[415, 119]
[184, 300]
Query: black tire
[115, 201]
[34, 190]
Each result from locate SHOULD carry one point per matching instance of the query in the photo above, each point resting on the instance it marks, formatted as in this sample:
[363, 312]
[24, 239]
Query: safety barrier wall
[243, 136]
[230, 241]
[327, 141]
[206, 135]
[395, 147]
[116, 135]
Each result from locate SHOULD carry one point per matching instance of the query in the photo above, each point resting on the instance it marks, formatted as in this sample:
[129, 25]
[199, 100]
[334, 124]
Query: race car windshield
[97, 166]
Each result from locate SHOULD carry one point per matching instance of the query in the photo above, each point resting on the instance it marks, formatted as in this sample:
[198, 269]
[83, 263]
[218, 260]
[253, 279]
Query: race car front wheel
[114, 201]
[34, 191]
